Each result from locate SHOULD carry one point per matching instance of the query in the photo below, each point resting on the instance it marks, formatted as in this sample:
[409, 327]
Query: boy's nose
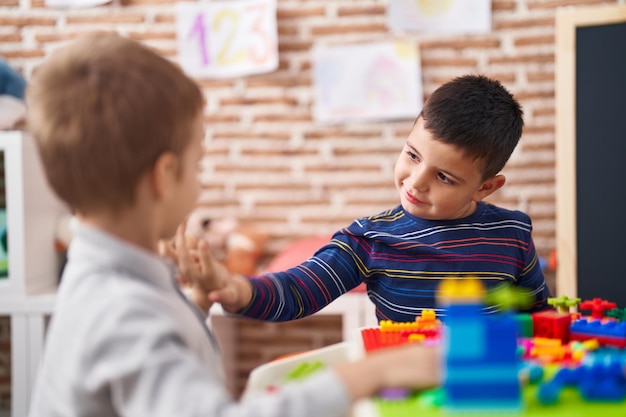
[419, 180]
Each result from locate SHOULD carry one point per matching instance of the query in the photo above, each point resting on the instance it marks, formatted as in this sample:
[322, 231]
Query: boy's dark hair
[478, 115]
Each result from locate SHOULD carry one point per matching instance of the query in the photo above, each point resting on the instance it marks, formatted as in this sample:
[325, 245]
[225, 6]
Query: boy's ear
[164, 174]
[489, 187]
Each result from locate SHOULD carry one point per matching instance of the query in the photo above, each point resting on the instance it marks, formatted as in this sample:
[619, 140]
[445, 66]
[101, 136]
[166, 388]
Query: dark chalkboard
[591, 154]
[601, 161]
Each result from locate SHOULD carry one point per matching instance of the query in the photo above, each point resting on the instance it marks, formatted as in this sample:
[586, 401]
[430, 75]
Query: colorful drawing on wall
[223, 39]
[372, 81]
[452, 16]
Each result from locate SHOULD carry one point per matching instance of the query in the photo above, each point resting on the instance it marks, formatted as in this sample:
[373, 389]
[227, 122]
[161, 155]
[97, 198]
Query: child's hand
[198, 269]
[210, 281]
[412, 366]
[234, 295]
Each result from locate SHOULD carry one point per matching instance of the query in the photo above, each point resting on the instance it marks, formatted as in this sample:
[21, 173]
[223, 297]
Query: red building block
[598, 307]
[552, 325]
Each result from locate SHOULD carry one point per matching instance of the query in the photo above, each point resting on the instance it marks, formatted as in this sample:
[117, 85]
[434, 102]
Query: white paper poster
[370, 81]
[227, 38]
[451, 16]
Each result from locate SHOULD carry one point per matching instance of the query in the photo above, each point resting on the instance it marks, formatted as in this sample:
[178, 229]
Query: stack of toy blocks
[481, 361]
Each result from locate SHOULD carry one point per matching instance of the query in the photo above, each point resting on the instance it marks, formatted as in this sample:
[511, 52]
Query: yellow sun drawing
[434, 7]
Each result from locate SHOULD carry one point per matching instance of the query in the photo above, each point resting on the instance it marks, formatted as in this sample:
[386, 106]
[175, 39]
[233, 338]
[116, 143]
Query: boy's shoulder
[388, 221]
[492, 211]
[382, 218]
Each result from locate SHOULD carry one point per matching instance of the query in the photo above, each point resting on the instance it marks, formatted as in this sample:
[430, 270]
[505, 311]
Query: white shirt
[124, 341]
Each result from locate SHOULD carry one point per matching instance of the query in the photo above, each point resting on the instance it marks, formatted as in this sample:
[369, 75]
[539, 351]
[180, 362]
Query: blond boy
[120, 130]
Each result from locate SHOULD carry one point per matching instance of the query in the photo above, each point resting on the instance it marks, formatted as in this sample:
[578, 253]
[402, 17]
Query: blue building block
[596, 327]
[482, 364]
[597, 381]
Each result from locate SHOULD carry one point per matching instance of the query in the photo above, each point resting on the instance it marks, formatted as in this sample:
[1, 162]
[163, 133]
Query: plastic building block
[610, 333]
[303, 370]
[524, 324]
[552, 324]
[394, 393]
[481, 361]
[531, 373]
[617, 313]
[460, 291]
[598, 327]
[601, 380]
[598, 307]
[563, 303]
[508, 298]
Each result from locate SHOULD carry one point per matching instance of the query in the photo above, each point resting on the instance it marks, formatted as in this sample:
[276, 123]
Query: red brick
[523, 59]
[23, 53]
[299, 12]
[288, 81]
[449, 62]
[540, 76]
[221, 118]
[368, 28]
[56, 36]
[534, 40]
[10, 37]
[251, 101]
[506, 5]
[295, 46]
[284, 118]
[145, 2]
[110, 18]
[459, 44]
[152, 35]
[22, 21]
[371, 10]
[544, 111]
[165, 18]
[551, 4]
[523, 23]
[247, 135]
[530, 95]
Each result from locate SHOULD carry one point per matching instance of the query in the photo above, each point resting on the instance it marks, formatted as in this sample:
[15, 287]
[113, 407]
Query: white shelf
[27, 293]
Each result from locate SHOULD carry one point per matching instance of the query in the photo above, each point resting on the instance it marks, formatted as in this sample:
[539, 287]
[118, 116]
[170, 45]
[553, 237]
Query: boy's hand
[409, 366]
[196, 264]
[234, 295]
[197, 268]
[209, 280]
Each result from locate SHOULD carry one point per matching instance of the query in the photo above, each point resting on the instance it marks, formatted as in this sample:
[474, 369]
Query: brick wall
[270, 164]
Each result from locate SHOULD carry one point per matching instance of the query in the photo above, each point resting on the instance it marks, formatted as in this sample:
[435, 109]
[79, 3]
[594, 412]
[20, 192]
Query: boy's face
[187, 189]
[436, 180]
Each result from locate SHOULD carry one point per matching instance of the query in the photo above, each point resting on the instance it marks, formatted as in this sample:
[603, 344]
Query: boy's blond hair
[102, 110]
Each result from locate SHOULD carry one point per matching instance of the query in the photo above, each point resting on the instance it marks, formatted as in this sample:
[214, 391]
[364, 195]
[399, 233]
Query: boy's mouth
[412, 199]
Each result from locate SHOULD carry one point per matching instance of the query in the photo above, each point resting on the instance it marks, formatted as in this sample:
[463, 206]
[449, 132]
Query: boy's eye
[444, 178]
[412, 156]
